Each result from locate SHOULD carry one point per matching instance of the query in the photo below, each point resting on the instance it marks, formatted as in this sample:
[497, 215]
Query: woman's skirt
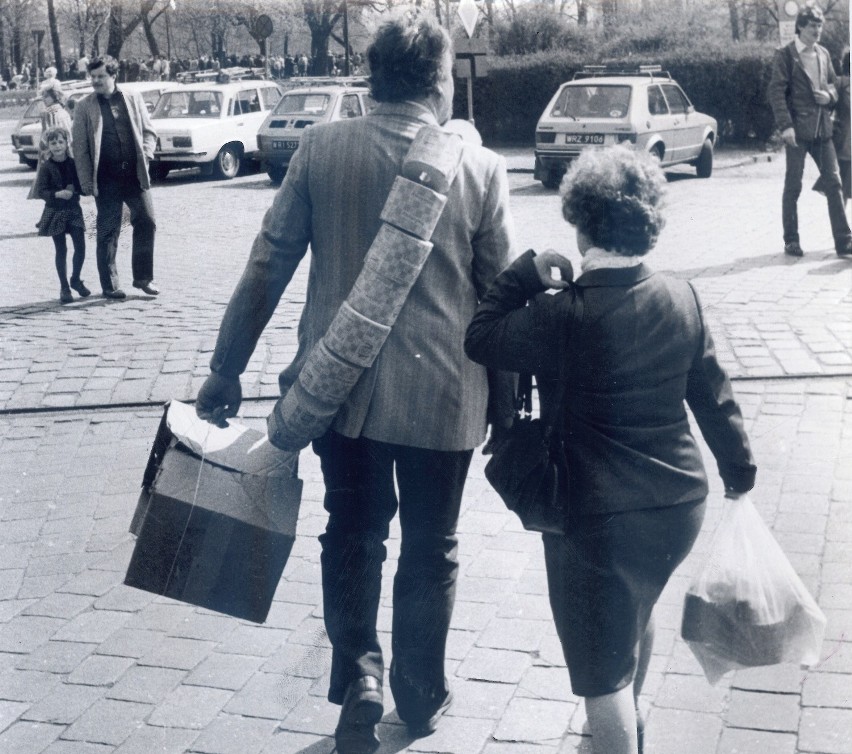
[604, 579]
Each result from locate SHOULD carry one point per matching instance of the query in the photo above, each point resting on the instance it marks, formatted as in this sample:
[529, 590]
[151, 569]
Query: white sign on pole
[469, 14]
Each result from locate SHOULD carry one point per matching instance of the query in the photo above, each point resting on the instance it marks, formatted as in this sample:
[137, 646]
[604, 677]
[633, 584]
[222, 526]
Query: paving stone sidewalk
[88, 665]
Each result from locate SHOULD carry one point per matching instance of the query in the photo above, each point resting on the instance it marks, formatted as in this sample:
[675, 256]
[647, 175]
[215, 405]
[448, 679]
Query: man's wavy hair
[406, 59]
[807, 13]
[614, 196]
[107, 61]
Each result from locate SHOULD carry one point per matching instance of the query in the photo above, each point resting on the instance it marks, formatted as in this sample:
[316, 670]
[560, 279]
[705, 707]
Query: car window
[678, 103]
[269, 96]
[656, 101]
[34, 109]
[368, 102]
[303, 104]
[245, 101]
[592, 101]
[350, 107]
[150, 99]
[193, 104]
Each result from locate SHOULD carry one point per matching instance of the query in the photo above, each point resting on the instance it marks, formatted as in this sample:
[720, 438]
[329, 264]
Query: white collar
[802, 47]
[597, 259]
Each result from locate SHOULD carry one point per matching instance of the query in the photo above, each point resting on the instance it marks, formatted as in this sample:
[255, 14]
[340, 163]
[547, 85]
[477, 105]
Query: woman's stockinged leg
[612, 721]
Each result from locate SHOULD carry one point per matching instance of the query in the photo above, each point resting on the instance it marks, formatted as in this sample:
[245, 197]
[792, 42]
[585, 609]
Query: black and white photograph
[425, 376]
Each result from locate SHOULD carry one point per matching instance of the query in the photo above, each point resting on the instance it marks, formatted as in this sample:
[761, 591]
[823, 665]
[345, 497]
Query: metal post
[346, 69]
[470, 93]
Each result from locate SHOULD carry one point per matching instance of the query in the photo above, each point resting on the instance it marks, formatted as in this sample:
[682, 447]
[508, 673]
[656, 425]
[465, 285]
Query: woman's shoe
[65, 296]
[80, 287]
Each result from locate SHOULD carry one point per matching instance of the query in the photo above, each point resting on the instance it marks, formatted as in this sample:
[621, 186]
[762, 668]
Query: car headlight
[182, 142]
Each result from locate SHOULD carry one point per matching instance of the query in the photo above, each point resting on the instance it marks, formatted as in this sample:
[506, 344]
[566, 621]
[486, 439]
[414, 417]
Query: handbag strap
[551, 423]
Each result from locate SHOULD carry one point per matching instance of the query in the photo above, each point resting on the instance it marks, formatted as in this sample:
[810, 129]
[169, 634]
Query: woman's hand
[64, 194]
[544, 264]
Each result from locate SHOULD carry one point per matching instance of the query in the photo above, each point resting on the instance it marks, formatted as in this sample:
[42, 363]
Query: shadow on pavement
[765, 260]
[19, 182]
[23, 234]
[52, 305]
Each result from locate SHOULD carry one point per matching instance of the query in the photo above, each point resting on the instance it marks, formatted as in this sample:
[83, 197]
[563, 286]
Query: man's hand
[788, 136]
[544, 264]
[219, 399]
[822, 97]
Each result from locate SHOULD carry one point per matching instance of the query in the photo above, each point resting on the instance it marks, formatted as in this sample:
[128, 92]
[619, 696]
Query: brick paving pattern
[89, 665]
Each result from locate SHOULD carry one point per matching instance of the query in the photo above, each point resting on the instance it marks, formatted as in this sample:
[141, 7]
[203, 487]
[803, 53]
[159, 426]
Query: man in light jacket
[417, 413]
[113, 142]
[801, 93]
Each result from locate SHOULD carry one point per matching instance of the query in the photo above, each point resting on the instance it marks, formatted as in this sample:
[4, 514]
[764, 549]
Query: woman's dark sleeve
[507, 334]
[711, 398]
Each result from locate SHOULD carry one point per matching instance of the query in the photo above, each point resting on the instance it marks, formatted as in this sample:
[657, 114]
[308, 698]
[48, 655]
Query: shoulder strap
[552, 422]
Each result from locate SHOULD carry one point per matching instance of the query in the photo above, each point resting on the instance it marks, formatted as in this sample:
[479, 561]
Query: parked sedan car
[278, 137]
[25, 137]
[211, 126]
[643, 106]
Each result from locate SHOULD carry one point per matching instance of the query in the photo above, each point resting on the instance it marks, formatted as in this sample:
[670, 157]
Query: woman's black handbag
[528, 468]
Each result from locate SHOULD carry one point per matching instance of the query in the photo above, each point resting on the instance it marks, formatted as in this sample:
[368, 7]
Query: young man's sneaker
[792, 249]
[65, 296]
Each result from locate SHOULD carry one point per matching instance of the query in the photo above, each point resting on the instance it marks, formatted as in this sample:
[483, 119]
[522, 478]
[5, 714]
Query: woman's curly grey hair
[614, 196]
[406, 59]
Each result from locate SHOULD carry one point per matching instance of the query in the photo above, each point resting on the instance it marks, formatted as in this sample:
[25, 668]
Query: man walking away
[414, 417]
[113, 142]
[801, 92]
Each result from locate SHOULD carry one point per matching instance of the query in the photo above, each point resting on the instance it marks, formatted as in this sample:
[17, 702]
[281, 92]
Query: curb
[723, 166]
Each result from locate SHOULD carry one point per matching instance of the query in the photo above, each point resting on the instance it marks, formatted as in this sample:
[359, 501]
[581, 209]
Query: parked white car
[641, 106]
[211, 126]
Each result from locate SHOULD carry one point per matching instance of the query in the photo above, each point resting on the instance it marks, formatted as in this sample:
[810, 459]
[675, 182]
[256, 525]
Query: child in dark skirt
[59, 187]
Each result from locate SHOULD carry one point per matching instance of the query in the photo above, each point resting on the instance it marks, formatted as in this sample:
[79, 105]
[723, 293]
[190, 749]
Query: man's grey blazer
[422, 390]
[88, 129]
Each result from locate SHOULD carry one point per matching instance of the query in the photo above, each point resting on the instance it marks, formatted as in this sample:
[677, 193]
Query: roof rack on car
[222, 76]
[615, 69]
[303, 82]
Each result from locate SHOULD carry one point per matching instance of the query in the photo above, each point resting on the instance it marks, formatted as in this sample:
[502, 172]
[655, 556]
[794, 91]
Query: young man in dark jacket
[801, 93]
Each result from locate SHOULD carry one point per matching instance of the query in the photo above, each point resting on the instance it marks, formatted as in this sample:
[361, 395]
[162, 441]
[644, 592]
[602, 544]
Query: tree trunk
[149, 34]
[734, 15]
[582, 13]
[118, 31]
[54, 39]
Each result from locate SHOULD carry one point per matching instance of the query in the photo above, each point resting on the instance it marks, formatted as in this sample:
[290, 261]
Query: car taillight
[182, 142]
[627, 137]
[545, 137]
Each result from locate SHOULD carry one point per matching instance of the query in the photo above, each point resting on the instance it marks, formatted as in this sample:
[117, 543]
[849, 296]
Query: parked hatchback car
[25, 137]
[643, 106]
[278, 137]
[211, 125]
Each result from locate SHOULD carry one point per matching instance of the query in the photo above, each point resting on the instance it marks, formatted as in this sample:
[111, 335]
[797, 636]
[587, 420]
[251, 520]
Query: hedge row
[728, 83]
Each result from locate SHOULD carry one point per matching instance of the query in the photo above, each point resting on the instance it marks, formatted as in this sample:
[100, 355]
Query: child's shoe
[65, 296]
[80, 287]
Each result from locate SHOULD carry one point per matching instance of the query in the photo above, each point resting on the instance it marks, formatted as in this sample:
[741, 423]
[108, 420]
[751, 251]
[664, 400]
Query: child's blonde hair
[50, 135]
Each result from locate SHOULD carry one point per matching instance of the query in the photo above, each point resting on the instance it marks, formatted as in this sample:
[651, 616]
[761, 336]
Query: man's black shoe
[846, 249]
[115, 293]
[423, 728]
[362, 710]
[792, 249]
[148, 288]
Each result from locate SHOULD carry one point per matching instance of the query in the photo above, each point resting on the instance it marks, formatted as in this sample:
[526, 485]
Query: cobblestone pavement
[88, 665]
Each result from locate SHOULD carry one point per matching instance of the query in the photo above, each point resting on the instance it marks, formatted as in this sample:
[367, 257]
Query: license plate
[279, 144]
[584, 138]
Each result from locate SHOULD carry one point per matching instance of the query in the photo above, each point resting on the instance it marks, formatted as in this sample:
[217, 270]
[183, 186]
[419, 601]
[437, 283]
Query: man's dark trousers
[361, 501]
[113, 192]
[823, 153]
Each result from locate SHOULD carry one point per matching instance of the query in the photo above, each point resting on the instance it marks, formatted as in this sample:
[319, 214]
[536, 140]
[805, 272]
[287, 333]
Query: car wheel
[552, 179]
[227, 163]
[704, 163]
[276, 173]
[657, 153]
[158, 171]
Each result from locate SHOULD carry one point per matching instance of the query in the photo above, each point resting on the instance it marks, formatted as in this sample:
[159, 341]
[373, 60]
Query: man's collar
[802, 47]
[618, 276]
[409, 108]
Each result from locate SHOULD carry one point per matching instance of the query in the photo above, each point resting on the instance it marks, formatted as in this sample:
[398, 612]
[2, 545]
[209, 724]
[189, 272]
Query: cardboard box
[216, 519]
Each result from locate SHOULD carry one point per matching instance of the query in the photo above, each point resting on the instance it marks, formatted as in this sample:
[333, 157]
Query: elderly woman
[54, 115]
[639, 354]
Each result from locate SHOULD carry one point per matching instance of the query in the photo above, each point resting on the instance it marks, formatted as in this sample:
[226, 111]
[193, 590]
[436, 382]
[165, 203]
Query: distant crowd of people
[162, 68]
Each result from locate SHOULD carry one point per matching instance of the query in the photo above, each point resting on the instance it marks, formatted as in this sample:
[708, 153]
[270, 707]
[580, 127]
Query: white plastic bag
[747, 606]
